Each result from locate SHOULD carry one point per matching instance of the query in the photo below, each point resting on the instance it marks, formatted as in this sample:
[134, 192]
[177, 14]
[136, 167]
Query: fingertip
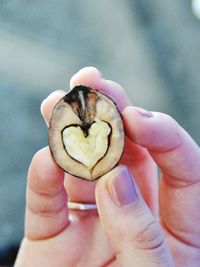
[135, 123]
[48, 104]
[43, 111]
[44, 175]
[103, 187]
[152, 130]
[92, 77]
[87, 76]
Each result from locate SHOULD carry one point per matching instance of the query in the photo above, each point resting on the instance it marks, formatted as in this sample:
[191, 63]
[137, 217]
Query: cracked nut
[86, 134]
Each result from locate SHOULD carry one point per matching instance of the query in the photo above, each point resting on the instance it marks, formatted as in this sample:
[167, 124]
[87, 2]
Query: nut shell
[86, 121]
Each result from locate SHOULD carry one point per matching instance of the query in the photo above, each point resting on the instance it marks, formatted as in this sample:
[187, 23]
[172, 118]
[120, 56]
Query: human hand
[56, 236]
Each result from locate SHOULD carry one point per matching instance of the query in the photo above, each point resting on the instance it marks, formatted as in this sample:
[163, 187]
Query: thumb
[133, 232]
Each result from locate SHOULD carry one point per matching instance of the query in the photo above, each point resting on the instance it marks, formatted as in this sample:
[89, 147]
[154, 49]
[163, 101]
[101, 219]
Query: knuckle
[46, 212]
[150, 237]
[148, 240]
[37, 160]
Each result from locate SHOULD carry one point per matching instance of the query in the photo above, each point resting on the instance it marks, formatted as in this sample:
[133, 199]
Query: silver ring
[81, 206]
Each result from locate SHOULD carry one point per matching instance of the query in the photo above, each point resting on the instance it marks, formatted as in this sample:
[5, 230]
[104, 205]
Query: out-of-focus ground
[150, 47]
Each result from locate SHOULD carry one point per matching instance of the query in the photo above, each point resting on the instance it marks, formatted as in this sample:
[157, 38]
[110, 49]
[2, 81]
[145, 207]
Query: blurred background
[150, 47]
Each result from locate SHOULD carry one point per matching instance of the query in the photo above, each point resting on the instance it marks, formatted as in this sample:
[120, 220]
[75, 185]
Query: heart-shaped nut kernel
[94, 145]
[86, 133]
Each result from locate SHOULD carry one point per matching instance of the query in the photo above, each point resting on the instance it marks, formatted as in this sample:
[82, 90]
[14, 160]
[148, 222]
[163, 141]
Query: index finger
[91, 77]
[178, 157]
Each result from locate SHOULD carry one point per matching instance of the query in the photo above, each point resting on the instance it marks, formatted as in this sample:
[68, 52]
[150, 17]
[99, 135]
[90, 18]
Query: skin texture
[128, 229]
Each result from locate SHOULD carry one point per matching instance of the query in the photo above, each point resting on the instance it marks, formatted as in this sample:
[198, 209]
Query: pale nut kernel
[86, 133]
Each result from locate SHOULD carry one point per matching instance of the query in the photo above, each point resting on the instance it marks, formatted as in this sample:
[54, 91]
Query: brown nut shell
[86, 133]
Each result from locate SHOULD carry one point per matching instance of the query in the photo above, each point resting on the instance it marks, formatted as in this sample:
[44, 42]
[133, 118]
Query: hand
[127, 198]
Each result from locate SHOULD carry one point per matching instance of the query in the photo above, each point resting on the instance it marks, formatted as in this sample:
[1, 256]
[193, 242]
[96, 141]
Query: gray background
[150, 47]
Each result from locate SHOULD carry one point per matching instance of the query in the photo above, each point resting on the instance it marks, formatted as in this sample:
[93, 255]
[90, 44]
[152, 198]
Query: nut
[86, 134]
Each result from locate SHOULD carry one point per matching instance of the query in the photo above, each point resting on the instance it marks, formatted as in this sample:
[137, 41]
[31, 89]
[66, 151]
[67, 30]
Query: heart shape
[87, 149]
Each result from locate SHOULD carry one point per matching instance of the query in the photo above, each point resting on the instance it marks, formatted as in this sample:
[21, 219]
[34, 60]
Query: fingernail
[121, 187]
[144, 112]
